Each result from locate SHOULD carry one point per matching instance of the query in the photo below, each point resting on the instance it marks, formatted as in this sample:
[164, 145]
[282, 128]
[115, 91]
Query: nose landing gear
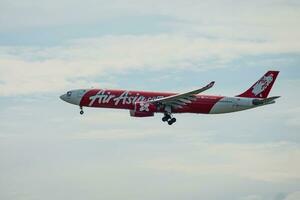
[81, 110]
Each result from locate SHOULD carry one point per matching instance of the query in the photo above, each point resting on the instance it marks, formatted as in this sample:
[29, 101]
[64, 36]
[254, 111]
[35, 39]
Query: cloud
[202, 36]
[276, 18]
[274, 21]
[293, 196]
[31, 70]
[116, 134]
[292, 117]
[271, 161]
[252, 197]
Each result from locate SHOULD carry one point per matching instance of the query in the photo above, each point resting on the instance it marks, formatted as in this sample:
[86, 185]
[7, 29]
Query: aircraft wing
[179, 100]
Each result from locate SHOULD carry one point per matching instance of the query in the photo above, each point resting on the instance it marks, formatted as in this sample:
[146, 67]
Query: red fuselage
[123, 99]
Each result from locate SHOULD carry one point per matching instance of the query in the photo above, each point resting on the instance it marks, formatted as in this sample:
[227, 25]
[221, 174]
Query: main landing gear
[81, 110]
[168, 118]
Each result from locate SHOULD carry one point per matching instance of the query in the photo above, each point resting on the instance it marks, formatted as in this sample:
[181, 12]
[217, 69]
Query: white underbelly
[231, 104]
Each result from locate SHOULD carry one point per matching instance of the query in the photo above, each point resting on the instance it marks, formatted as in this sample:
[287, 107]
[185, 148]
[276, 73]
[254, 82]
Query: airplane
[145, 104]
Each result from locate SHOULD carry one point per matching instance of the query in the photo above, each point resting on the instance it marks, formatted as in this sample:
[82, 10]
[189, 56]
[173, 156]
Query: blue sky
[49, 151]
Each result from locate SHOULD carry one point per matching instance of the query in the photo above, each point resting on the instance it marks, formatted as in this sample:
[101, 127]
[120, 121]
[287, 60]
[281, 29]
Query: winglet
[211, 84]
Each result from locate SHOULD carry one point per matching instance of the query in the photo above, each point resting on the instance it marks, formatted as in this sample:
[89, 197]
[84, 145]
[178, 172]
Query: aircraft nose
[63, 97]
[71, 97]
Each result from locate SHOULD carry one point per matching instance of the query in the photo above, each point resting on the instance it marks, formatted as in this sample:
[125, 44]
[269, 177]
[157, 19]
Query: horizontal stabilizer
[269, 100]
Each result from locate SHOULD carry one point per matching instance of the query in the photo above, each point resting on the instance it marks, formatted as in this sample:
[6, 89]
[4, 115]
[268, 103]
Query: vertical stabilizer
[262, 87]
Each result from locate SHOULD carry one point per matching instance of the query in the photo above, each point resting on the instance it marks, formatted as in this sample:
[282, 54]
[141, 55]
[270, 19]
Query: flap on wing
[179, 100]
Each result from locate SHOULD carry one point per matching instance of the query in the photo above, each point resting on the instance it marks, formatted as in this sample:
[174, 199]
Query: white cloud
[203, 35]
[293, 196]
[264, 162]
[252, 197]
[264, 20]
[115, 134]
[29, 70]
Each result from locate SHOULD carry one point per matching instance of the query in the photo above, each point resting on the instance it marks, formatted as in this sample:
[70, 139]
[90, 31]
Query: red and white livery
[145, 104]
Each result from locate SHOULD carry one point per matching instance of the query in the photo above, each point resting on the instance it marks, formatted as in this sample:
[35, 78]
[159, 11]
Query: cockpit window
[69, 93]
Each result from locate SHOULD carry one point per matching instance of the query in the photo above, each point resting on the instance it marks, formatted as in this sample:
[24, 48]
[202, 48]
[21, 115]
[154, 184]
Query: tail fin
[262, 87]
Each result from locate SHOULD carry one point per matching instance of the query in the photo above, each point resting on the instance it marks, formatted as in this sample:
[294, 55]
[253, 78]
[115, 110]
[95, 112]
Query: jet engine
[144, 107]
[134, 113]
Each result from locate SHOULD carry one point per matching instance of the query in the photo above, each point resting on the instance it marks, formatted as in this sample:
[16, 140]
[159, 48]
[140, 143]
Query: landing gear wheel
[172, 121]
[165, 118]
[81, 111]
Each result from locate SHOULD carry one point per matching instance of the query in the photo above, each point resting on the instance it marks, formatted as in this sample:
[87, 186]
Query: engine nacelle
[144, 107]
[134, 113]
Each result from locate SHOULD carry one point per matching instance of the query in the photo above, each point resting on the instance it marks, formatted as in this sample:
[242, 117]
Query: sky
[49, 151]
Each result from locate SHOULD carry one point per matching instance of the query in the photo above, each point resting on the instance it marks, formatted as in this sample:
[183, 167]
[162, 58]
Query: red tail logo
[262, 87]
